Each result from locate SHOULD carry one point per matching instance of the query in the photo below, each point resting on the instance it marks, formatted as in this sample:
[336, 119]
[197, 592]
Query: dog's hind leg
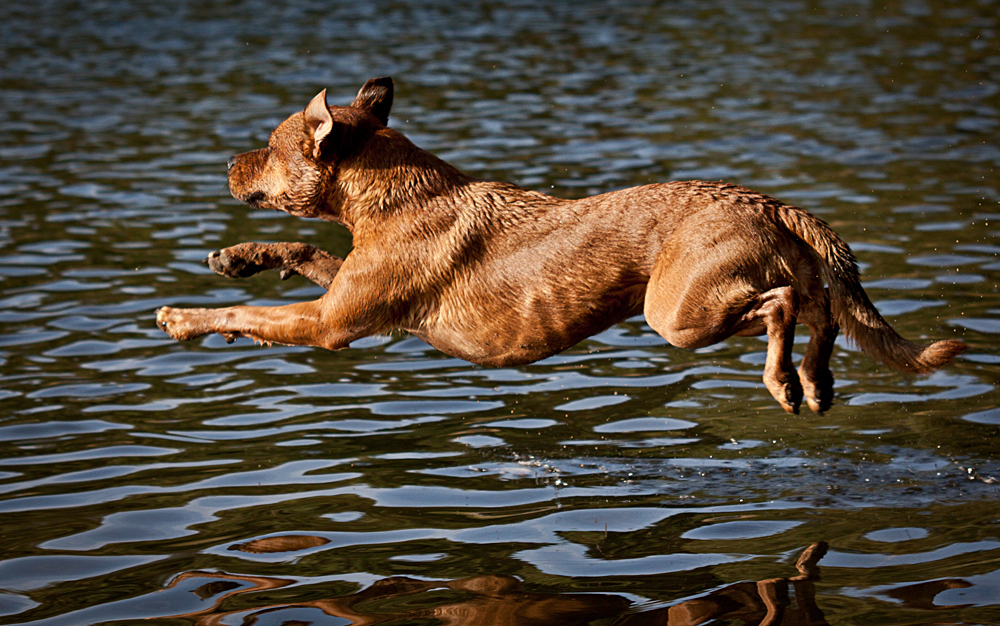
[693, 307]
[814, 371]
[776, 311]
[247, 259]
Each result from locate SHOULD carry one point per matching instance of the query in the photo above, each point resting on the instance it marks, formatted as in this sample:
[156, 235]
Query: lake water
[624, 481]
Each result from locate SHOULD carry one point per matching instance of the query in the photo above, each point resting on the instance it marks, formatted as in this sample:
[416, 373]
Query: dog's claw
[819, 406]
[789, 405]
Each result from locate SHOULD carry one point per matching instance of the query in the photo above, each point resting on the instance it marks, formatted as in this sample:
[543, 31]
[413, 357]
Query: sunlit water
[623, 480]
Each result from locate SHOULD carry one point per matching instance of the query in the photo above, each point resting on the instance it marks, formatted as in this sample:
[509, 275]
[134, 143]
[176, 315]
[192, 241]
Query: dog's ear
[319, 122]
[376, 97]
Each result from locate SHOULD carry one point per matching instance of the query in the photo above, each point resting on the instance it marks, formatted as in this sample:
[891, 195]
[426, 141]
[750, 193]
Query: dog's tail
[850, 306]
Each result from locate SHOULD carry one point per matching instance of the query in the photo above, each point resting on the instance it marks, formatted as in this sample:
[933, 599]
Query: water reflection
[503, 600]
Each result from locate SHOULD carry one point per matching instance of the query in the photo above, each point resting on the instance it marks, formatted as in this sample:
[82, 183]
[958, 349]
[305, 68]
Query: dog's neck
[392, 178]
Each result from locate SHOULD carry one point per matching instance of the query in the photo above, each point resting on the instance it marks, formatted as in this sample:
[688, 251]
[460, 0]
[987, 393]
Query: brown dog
[499, 275]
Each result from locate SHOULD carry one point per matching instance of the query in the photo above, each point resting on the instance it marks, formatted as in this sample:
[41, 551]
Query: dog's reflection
[764, 602]
[501, 600]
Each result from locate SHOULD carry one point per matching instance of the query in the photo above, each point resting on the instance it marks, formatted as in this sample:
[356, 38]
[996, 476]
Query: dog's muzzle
[255, 199]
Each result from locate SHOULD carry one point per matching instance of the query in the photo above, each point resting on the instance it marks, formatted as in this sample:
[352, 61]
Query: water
[623, 480]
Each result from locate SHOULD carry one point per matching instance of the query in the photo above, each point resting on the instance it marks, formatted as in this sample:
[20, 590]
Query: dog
[501, 276]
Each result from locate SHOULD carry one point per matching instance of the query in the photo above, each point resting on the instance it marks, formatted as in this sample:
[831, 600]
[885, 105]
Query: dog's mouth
[256, 199]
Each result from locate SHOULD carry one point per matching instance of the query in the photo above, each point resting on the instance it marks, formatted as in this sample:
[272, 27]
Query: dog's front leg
[300, 324]
[247, 259]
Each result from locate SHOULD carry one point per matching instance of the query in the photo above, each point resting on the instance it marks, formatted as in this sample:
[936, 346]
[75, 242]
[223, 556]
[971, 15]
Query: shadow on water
[621, 482]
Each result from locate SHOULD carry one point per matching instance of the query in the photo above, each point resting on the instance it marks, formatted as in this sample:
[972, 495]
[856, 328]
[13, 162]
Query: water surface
[624, 481]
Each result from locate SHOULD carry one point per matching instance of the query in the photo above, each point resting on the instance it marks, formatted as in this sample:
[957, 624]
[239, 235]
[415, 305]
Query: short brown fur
[499, 275]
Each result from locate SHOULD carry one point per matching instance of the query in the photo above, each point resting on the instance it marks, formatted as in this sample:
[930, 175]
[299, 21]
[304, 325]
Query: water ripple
[624, 480]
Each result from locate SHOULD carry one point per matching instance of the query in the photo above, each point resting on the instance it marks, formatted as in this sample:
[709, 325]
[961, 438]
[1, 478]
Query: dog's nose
[230, 163]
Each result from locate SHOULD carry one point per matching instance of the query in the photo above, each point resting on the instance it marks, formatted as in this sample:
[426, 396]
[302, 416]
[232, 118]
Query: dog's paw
[232, 263]
[181, 324]
[786, 389]
[790, 399]
[818, 393]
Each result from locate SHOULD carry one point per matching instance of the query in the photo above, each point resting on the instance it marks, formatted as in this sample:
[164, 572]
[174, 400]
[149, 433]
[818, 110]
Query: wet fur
[499, 275]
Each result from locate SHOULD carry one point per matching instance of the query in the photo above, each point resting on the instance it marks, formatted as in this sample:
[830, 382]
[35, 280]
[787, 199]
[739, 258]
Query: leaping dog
[499, 275]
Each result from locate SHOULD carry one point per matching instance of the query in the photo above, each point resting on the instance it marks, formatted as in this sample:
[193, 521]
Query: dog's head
[296, 171]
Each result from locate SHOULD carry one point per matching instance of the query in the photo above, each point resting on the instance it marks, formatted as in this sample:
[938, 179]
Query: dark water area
[622, 482]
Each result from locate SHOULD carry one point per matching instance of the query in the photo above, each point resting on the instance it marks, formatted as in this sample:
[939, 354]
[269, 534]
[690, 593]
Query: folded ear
[319, 122]
[376, 97]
